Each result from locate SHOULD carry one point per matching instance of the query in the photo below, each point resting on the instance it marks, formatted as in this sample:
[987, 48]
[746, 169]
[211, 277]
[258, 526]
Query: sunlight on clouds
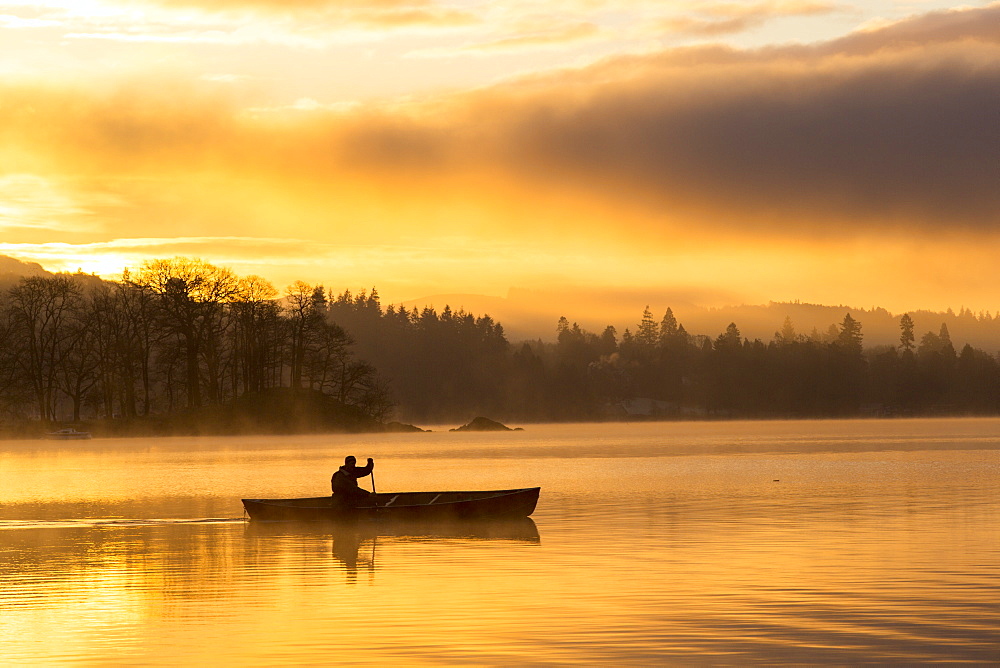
[226, 78]
[717, 19]
[553, 38]
[31, 201]
[64, 257]
[284, 260]
[315, 26]
[210, 34]
[412, 18]
[10, 22]
[155, 24]
[109, 258]
[738, 171]
[727, 272]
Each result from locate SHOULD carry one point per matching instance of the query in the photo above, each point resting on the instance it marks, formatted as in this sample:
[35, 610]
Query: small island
[485, 424]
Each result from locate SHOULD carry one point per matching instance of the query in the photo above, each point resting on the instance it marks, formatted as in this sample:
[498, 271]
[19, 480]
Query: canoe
[401, 506]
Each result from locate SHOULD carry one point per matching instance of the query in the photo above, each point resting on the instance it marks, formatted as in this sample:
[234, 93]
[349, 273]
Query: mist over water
[725, 543]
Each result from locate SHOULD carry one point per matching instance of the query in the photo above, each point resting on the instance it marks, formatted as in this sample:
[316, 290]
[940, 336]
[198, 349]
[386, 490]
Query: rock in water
[483, 424]
[400, 427]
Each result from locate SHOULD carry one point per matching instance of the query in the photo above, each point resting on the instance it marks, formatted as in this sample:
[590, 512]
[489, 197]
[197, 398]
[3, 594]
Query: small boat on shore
[68, 434]
[502, 503]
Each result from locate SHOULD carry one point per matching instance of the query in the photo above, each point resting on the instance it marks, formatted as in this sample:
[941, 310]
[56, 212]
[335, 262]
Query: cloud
[298, 24]
[524, 35]
[540, 39]
[11, 22]
[29, 201]
[137, 7]
[146, 245]
[960, 26]
[313, 31]
[109, 258]
[891, 139]
[284, 6]
[410, 17]
[887, 129]
[712, 19]
[286, 259]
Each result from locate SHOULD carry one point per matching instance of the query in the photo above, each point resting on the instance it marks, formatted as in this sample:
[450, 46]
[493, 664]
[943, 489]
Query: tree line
[179, 335]
[174, 335]
[452, 365]
[825, 374]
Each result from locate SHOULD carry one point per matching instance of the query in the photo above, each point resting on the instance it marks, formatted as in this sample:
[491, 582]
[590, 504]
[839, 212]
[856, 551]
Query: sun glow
[663, 147]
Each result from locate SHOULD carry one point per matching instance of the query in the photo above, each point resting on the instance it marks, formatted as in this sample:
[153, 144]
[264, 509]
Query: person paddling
[344, 483]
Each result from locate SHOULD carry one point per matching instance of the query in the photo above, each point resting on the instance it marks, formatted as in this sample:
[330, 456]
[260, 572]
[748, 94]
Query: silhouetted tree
[647, 333]
[190, 295]
[41, 311]
[906, 338]
[787, 333]
[849, 338]
[729, 339]
[258, 336]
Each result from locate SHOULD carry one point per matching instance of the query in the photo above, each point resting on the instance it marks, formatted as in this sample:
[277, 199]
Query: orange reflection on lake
[722, 543]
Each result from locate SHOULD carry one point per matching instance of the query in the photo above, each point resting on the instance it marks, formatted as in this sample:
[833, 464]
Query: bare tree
[78, 371]
[190, 297]
[125, 336]
[15, 394]
[41, 310]
[256, 335]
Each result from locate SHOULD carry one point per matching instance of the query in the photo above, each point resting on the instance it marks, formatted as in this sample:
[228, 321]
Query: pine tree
[850, 337]
[668, 327]
[647, 333]
[730, 338]
[906, 337]
[947, 349]
[787, 333]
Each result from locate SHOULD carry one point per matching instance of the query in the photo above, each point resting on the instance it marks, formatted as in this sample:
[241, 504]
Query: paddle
[374, 500]
[375, 537]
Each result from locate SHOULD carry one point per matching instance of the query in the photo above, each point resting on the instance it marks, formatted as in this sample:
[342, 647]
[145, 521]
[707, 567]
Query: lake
[722, 543]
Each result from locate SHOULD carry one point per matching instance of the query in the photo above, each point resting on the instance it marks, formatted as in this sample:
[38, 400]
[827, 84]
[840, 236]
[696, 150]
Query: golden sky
[733, 151]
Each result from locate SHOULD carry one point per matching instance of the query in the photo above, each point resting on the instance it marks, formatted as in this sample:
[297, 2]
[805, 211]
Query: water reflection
[348, 538]
[881, 544]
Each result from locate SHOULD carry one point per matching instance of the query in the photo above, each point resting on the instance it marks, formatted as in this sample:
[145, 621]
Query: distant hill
[10, 265]
[12, 270]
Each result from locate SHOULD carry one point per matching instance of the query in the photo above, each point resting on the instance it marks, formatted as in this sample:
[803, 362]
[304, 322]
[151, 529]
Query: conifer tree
[647, 333]
[668, 327]
[850, 336]
[906, 337]
[787, 333]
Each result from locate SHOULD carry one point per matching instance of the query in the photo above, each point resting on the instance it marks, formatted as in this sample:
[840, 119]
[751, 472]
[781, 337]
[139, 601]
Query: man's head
[350, 460]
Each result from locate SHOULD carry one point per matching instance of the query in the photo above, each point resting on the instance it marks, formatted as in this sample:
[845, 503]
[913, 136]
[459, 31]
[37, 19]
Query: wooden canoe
[502, 503]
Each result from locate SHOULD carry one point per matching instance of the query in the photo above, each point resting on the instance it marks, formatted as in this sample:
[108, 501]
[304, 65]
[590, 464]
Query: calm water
[707, 543]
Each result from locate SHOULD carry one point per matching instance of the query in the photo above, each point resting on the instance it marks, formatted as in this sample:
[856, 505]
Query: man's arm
[362, 471]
